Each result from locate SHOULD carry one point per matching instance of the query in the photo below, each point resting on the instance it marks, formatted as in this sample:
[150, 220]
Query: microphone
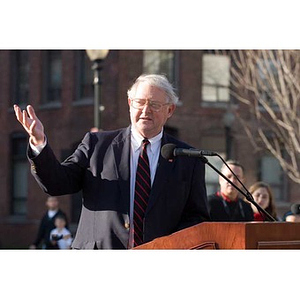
[169, 151]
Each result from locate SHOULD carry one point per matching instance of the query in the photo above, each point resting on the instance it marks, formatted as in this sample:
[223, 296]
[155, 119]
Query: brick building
[58, 83]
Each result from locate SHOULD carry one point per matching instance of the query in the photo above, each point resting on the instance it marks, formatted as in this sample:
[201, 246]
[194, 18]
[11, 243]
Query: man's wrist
[37, 149]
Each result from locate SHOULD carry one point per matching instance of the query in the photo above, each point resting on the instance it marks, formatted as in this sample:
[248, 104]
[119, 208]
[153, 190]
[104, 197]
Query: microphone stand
[247, 195]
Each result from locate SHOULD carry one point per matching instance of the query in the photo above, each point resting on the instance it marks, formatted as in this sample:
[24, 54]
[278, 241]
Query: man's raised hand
[31, 124]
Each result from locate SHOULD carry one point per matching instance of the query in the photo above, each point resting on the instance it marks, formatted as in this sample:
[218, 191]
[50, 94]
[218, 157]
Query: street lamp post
[97, 57]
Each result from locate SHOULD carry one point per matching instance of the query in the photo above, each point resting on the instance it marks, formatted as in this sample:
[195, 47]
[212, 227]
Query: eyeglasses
[140, 104]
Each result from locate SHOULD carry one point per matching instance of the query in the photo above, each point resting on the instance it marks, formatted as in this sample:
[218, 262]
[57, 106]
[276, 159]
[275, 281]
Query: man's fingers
[25, 119]
[31, 124]
[31, 128]
[22, 116]
[31, 112]
[18, 113]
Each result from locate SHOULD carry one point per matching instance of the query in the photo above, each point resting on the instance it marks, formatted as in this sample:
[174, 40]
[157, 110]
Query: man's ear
[220, 178]
[171, 110]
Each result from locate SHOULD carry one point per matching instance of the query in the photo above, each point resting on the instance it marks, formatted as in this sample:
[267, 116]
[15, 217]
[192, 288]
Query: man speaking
[131, 194]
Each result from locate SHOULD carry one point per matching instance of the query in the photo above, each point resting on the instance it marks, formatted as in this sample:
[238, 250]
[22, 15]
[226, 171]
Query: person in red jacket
[226, 205]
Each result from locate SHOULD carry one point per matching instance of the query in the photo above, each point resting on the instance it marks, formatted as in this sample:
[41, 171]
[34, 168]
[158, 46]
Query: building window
[84, 73]
[271, 173]
[20, 68]
[267, 82]
[215, 78]
[52, 68]
[19, 175]
[160, 62]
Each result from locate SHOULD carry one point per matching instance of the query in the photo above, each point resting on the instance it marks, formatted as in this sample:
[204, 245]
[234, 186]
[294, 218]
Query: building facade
[59, 85]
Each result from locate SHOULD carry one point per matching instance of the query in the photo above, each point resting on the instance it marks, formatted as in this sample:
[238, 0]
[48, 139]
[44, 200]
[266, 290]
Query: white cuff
[37, 149]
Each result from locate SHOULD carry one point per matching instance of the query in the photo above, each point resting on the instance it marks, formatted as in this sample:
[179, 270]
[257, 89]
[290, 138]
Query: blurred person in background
[293, 215]
[47, 224]
[60, 236]
[263, 196]
[226, 205]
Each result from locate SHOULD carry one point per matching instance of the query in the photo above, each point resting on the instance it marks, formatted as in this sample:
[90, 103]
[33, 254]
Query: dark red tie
[141, 194]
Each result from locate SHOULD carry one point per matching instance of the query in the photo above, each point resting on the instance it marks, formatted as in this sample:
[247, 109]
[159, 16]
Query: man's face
[59, 223]
[52, 203]
[261, 197]
[226, 188]
[147, 122]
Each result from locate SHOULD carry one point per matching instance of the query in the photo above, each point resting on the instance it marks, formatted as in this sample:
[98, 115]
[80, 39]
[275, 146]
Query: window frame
[217, 102]
[20, 64]
[171, 74]
[81, 70]
[47, 101]
[15, 158]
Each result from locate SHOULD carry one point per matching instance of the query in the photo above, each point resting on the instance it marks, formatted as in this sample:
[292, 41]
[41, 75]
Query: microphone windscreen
[295, 209]
[167, 151]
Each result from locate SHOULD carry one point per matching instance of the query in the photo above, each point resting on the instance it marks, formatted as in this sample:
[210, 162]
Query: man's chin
[231, 194]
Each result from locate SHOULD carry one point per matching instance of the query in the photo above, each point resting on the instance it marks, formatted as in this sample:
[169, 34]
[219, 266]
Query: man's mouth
[145, 119]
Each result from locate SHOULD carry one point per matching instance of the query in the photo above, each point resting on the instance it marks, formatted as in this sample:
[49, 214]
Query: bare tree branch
[268, 83]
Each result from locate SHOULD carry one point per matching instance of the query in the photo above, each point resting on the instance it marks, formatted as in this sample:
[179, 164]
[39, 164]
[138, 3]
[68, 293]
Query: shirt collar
[226, 198]
[137, 139]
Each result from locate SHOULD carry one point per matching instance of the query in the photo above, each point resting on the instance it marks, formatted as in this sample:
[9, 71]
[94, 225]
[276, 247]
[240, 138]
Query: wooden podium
[231, 235]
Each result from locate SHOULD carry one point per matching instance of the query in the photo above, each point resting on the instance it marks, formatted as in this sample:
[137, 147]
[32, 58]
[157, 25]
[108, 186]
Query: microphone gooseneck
[169, 151]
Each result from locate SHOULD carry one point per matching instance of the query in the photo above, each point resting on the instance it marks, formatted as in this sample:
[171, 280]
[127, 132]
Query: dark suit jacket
[100, 167]
[221, 211]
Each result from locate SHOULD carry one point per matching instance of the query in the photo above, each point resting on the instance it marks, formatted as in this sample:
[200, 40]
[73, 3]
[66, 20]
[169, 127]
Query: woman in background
[262, 194]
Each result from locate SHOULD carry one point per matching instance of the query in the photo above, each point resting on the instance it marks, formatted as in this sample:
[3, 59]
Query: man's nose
[147, 107]
[233, 179]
